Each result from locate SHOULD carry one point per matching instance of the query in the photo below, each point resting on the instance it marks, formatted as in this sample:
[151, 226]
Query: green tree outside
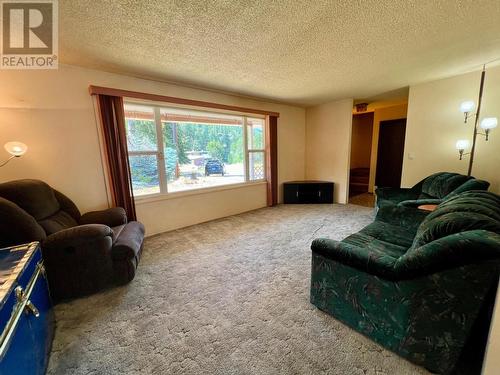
[216, 150]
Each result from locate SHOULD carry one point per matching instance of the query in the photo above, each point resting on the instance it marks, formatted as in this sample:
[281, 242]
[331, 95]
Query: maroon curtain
[115, 140]
[272, 160]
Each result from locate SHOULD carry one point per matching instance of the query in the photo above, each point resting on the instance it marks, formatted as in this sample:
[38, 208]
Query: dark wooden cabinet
[308, 192]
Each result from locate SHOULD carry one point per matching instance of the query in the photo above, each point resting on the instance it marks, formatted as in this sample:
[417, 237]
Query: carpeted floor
[365, 199]
[226, 297]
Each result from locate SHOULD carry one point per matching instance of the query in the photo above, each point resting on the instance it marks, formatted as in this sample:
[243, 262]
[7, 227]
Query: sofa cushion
[375, 246]
[441, 184]
[393, 234]
[465, 212]
[129, 241]
[33, 196]
[59, 221]
[451, 223]
[472, 184]
[485, 199]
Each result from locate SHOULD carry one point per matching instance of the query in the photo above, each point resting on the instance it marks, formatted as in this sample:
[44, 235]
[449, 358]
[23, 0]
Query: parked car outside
[214, 166]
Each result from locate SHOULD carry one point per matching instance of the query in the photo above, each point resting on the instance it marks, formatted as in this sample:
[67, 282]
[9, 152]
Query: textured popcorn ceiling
[295, 51]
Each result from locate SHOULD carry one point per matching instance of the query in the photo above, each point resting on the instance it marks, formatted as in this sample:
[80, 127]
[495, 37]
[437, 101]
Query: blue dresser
[26, 313]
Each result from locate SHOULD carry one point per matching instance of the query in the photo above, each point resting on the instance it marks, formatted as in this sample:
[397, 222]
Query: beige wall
[435, 124]
[201, 207]
[361, 141]
[382, 114]
[52, 112]
[328, 138]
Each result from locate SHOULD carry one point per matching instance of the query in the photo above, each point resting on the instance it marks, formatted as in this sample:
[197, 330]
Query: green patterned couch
[414, 281]
[431, 190]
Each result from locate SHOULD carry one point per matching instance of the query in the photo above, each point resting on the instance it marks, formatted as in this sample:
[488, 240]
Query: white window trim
[246, 159]
[160, 156]
[162, 177]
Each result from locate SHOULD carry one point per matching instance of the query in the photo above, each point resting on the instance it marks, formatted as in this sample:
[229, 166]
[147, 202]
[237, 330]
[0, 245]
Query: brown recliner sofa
[82, 253]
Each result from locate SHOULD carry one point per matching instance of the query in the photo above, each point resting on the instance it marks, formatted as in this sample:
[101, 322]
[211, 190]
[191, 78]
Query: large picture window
[176, 149]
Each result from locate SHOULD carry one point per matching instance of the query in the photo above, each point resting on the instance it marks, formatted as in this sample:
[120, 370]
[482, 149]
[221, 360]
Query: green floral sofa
[414, 281]
[431, 190]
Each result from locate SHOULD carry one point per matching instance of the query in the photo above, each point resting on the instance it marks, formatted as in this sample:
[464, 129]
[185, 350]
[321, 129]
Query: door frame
[350, 151]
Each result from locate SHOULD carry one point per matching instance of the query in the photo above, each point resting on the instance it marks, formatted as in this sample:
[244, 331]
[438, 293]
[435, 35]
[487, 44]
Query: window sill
[144, 199]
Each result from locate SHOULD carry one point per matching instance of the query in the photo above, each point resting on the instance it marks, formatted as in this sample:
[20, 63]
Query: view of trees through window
[172, 149]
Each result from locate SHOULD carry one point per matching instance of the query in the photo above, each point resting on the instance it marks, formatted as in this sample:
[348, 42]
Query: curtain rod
[99, 90]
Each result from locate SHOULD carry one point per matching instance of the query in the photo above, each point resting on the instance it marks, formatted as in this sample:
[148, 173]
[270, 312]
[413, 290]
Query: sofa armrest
[455, 250]
[419, 202]
[403, 216]
[77, 236]
[354, 256]
[392, 193]
[112, 217]
[389, 195]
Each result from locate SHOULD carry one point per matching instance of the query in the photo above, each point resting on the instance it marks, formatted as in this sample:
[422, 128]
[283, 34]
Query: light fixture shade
[489, 123]
[16, 148]
[467, 106]
[462, 144]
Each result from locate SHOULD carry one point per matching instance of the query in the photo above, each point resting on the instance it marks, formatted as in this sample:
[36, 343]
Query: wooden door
[391, 143]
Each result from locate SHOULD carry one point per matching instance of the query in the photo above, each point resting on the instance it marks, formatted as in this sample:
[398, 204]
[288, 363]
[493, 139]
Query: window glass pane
[256, 165]
[255, 133]
[141, 128]
[144, 171]
[202, 149]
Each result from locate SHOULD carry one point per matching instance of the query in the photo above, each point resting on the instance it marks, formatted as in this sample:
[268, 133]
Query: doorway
[390, 154]
[361, 146]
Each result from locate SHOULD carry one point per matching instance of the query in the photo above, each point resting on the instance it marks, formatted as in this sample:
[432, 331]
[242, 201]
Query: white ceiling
[295, 51]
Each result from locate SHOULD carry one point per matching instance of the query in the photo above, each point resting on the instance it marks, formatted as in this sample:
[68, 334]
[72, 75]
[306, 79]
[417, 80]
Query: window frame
[254, 150]
[160, 154]
[159, 147]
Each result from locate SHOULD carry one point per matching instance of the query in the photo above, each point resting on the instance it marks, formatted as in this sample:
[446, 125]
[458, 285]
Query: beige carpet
[225, 297]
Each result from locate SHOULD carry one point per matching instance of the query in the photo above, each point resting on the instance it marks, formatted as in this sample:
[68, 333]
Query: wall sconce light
[487, 124]
[462, 145]
[466, 108]
[15, 149]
